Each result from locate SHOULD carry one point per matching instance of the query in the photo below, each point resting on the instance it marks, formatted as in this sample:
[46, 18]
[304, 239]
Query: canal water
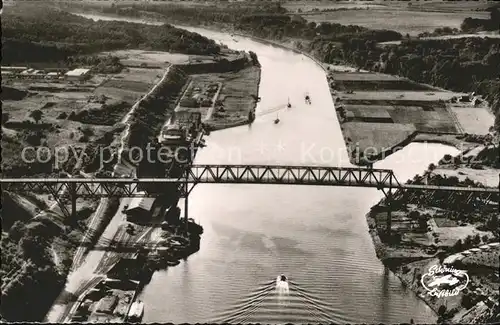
[316, 236]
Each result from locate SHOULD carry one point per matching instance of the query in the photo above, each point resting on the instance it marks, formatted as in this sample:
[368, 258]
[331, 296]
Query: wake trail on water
[278, 302]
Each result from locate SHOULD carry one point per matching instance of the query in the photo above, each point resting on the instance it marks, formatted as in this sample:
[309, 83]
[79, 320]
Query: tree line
[52, 35]
[474, 24]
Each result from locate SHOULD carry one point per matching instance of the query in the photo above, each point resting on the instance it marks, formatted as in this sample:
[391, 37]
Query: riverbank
[124, 276]
[435, 233]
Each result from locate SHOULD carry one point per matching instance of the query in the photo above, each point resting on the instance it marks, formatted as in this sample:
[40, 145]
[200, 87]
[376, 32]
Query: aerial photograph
[250, 161]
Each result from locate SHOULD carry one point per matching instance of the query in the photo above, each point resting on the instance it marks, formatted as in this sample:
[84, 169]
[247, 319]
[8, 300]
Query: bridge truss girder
[381, 179]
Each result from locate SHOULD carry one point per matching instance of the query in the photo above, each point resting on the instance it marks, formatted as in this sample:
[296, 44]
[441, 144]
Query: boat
[282, 278]
[308, 99]
[277, 120]
[289, 105]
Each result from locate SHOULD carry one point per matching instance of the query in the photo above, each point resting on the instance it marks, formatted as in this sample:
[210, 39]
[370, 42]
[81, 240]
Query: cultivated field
[233, 101]
[373, 138]
[379, 112]
[398, 95]
[401, 20]
[70, 113]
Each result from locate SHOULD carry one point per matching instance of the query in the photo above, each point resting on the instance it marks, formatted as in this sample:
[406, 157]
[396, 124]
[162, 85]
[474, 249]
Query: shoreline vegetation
[107, 110]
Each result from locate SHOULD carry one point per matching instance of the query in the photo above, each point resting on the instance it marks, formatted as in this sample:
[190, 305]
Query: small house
[140, 209]
[15, 69]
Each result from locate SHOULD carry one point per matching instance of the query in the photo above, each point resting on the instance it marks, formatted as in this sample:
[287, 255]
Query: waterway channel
[317, 236]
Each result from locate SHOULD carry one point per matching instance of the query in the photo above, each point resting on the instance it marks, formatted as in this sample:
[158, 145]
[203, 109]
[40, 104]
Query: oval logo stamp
[443, 281]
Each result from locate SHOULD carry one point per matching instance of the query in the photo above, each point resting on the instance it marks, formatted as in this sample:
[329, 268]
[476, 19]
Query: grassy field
[376, 136]
[405, 21]
[149, 58]
[378, 111]
[428, 5]
[128, 85]
[473, 119]
[387, 95]
[374, 85]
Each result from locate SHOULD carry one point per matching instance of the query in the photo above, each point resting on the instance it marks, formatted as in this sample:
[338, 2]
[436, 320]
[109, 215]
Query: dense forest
[30, 279]
[467, 64]
[266, 20]
[476, 25]
[49, 35]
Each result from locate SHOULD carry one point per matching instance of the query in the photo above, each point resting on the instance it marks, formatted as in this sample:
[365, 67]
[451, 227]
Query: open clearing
[473, 119]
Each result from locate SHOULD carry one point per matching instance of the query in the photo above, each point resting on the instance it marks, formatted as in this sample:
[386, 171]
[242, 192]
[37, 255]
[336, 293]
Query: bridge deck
[124, 181]
[252, 174]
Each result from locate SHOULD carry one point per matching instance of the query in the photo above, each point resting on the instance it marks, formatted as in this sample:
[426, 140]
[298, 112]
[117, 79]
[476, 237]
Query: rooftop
[145, 203]
[14, 68]
[77, 72]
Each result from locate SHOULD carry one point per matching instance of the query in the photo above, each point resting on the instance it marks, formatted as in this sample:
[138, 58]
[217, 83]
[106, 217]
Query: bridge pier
[186, 214]
[73, 197]
[388, 201]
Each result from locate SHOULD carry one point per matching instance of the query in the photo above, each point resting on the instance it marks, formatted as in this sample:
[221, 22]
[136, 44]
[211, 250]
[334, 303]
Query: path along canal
[317, 236]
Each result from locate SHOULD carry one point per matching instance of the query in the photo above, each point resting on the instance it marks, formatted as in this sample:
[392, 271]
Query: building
[7, 73]
[14, 69]
[140, 209]
[77, 74]
[52, 75]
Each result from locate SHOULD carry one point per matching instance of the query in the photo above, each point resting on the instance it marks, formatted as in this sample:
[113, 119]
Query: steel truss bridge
[63, 189]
